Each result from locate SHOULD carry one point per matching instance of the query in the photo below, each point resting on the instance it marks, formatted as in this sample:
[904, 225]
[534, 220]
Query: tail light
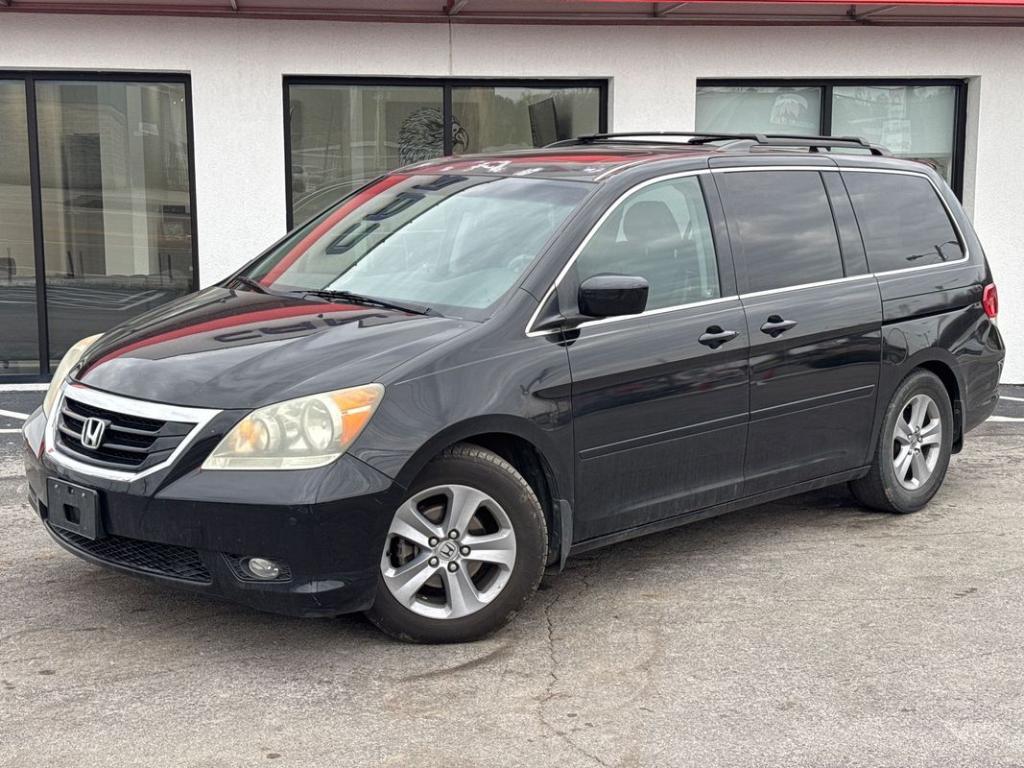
[990, 300]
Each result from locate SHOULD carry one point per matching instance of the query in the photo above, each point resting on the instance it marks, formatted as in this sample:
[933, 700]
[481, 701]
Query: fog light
[262, 568]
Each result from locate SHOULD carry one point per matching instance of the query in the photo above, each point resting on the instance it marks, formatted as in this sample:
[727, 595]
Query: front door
[814, 320]
[659, 400]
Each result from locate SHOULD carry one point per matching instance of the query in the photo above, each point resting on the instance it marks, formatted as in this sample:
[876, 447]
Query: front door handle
[775, 325]
[715, 337]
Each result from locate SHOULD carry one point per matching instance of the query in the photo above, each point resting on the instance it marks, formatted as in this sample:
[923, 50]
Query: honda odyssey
[473, 368]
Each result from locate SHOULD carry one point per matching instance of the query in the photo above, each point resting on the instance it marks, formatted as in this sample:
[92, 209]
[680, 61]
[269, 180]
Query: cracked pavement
[807, 632]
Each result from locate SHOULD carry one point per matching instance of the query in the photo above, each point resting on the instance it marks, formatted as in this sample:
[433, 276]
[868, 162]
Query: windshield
[453, 243]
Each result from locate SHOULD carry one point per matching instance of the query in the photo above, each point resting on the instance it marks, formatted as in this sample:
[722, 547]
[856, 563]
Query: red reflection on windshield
[327, 224]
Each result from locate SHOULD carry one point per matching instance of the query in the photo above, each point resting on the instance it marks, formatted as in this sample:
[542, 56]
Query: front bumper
[193, 529]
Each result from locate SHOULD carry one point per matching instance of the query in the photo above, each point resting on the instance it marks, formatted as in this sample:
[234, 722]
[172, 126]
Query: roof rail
[695, 138]
[813, 143]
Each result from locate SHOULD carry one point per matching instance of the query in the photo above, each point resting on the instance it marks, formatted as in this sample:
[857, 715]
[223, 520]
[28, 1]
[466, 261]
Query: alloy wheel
[449, 552]
[916, 442]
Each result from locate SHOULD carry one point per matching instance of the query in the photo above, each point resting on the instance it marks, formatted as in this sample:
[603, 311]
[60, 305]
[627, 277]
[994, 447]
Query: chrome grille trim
[129, 406]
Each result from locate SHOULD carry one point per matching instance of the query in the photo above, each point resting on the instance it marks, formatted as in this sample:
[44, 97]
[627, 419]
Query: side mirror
[613, 295]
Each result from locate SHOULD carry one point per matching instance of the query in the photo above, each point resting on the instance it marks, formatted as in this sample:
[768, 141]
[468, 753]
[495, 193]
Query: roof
[598, 157]
[583, 162]
[585, 12]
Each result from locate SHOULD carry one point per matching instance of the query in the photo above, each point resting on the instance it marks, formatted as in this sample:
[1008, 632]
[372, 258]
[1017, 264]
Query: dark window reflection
[912, 234]
[781, 227]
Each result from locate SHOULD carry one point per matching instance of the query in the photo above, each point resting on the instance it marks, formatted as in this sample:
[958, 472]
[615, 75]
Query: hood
[222, 348]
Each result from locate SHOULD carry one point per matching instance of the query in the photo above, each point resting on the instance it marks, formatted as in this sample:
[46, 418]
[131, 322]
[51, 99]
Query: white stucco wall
[237, 68]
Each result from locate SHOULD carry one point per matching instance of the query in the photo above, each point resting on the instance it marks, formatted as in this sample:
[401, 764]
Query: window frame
[29, 78]
[447, 85]
[827, 85]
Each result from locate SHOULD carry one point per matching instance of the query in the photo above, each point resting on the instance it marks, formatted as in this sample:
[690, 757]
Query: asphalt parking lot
[801, 633]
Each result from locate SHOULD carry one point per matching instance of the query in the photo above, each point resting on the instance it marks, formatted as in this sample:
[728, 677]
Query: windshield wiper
[249, 283]
[369, 301]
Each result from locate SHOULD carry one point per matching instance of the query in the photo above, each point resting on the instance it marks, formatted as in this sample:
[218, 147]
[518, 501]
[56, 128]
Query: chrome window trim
[739, 169]
[805, 286]
[132, 407]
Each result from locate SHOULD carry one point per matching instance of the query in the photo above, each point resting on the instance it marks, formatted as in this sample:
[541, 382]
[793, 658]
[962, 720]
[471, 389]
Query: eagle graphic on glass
[420, 136]
[789, 109]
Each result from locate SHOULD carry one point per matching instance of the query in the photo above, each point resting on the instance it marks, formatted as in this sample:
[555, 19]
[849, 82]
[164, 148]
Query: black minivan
[474, 367]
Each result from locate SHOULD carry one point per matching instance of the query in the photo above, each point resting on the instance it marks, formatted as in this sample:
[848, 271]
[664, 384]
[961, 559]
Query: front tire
[464, 551]
[913, 450]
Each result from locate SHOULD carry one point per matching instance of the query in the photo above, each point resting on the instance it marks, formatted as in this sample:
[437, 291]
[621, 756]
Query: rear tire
[464, 551]
[913, 450]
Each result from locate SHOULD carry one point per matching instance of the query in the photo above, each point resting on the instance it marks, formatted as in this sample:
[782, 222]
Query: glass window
[19, 332]
[781, 227]
[661, 233]
[343, 136]
[913, 233]
[453, 243]
[914, 122]
[488, 119]
[759, 109]
[116, 202]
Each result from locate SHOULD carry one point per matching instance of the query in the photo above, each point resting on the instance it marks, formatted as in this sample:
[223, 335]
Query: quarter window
[662, 234]
[781, 227]
[902, 220]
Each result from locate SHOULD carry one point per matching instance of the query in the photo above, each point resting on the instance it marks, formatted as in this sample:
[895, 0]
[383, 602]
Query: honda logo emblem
[92, 432]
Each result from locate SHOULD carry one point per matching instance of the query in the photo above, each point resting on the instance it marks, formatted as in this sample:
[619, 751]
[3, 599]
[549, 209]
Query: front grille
[142, 556]
[129, 442]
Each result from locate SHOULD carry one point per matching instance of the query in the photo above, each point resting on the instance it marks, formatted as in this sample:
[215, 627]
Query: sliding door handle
[775, 325]
[715, 337]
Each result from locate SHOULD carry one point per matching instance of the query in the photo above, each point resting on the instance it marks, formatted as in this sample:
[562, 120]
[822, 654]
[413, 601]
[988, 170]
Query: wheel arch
[944, 366]
[527, 448]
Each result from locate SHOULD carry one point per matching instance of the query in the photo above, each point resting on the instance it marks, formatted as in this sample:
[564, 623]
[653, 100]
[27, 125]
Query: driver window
[660, 233]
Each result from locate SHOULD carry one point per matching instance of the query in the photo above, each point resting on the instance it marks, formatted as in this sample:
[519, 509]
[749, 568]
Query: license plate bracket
[74, 508]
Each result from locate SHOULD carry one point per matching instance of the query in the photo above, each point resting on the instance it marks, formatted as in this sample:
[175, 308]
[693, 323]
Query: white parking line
[1014, 399]
[13, 414]
[40, 387]
[10, 431]
[1005, 418]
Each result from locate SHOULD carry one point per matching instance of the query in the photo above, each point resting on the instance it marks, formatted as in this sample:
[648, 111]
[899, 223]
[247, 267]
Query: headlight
[298, 434]
[69, 361]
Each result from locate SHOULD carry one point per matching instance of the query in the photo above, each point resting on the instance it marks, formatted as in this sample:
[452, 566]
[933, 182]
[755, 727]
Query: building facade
[142, 156]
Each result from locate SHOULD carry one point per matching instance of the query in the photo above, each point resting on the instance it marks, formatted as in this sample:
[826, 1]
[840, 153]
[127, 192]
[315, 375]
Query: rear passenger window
[902, 220]
[660, 233]
[781, 227]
